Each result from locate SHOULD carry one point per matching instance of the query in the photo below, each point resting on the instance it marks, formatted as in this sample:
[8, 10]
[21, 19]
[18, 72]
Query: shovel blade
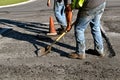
[45, 51]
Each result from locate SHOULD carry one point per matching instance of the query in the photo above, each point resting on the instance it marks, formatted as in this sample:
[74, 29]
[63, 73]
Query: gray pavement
[19, 47]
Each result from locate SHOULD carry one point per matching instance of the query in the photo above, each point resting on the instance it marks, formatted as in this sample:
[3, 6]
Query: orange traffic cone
[52, 30]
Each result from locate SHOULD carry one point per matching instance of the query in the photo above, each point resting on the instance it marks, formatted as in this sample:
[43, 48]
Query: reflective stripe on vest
[81, 3]
[77, 4]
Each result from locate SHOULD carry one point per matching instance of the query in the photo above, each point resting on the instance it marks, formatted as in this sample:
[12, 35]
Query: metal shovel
[47, 49]
[112, 52]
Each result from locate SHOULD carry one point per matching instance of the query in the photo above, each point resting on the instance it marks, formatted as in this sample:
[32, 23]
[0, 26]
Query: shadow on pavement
[36, 28]
[29, 26]
[92, 52]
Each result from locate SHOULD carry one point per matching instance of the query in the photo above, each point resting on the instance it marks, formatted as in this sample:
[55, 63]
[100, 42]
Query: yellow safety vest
[76, 4]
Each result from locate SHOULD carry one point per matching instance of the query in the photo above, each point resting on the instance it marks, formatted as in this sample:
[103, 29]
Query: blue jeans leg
[81, 24]
[96, 33]
[80, 27]
[59, 11]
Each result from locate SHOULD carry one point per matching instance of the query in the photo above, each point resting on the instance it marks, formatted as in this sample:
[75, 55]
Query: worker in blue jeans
[89, 13]
[59, 11]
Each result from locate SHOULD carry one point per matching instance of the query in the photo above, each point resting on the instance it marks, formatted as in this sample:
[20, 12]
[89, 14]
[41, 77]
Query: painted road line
[18, 4]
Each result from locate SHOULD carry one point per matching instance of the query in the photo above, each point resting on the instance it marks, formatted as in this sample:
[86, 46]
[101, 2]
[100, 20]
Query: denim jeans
[92, 17]
[59, 11]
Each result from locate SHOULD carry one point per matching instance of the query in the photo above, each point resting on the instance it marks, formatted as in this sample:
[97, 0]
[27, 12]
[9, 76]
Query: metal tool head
[45, 51]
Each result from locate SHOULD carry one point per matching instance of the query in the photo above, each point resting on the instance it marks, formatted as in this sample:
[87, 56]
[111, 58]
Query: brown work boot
[60, 30]
[77, 56]
[100, 54]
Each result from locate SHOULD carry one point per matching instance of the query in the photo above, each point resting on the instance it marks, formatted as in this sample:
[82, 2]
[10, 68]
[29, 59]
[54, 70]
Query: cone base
[51, 34]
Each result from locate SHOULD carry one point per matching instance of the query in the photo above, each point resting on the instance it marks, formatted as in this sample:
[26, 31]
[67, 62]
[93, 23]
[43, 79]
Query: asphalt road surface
[19, 46]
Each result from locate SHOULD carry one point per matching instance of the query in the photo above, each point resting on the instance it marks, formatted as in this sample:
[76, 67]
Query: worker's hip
[95, 11]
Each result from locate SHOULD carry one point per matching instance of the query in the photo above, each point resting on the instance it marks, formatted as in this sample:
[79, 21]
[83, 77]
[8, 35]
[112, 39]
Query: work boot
[60, 30]
[77, 56]
[101, 54]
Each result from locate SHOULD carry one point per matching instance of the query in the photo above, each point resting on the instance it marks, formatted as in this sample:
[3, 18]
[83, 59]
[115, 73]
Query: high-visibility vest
[76, 4]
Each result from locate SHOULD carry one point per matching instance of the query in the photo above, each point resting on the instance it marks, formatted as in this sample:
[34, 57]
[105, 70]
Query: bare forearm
[68, 16]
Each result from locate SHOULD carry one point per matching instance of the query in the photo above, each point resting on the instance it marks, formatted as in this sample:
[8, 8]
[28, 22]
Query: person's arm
[68, 17]
[48, 3]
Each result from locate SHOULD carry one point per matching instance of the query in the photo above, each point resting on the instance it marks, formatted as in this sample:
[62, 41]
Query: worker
[90, 12]
[59, 11]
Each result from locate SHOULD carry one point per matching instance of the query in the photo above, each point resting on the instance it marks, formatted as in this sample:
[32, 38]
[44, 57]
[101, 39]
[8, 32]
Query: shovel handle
[62, 35]
[59, 37]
